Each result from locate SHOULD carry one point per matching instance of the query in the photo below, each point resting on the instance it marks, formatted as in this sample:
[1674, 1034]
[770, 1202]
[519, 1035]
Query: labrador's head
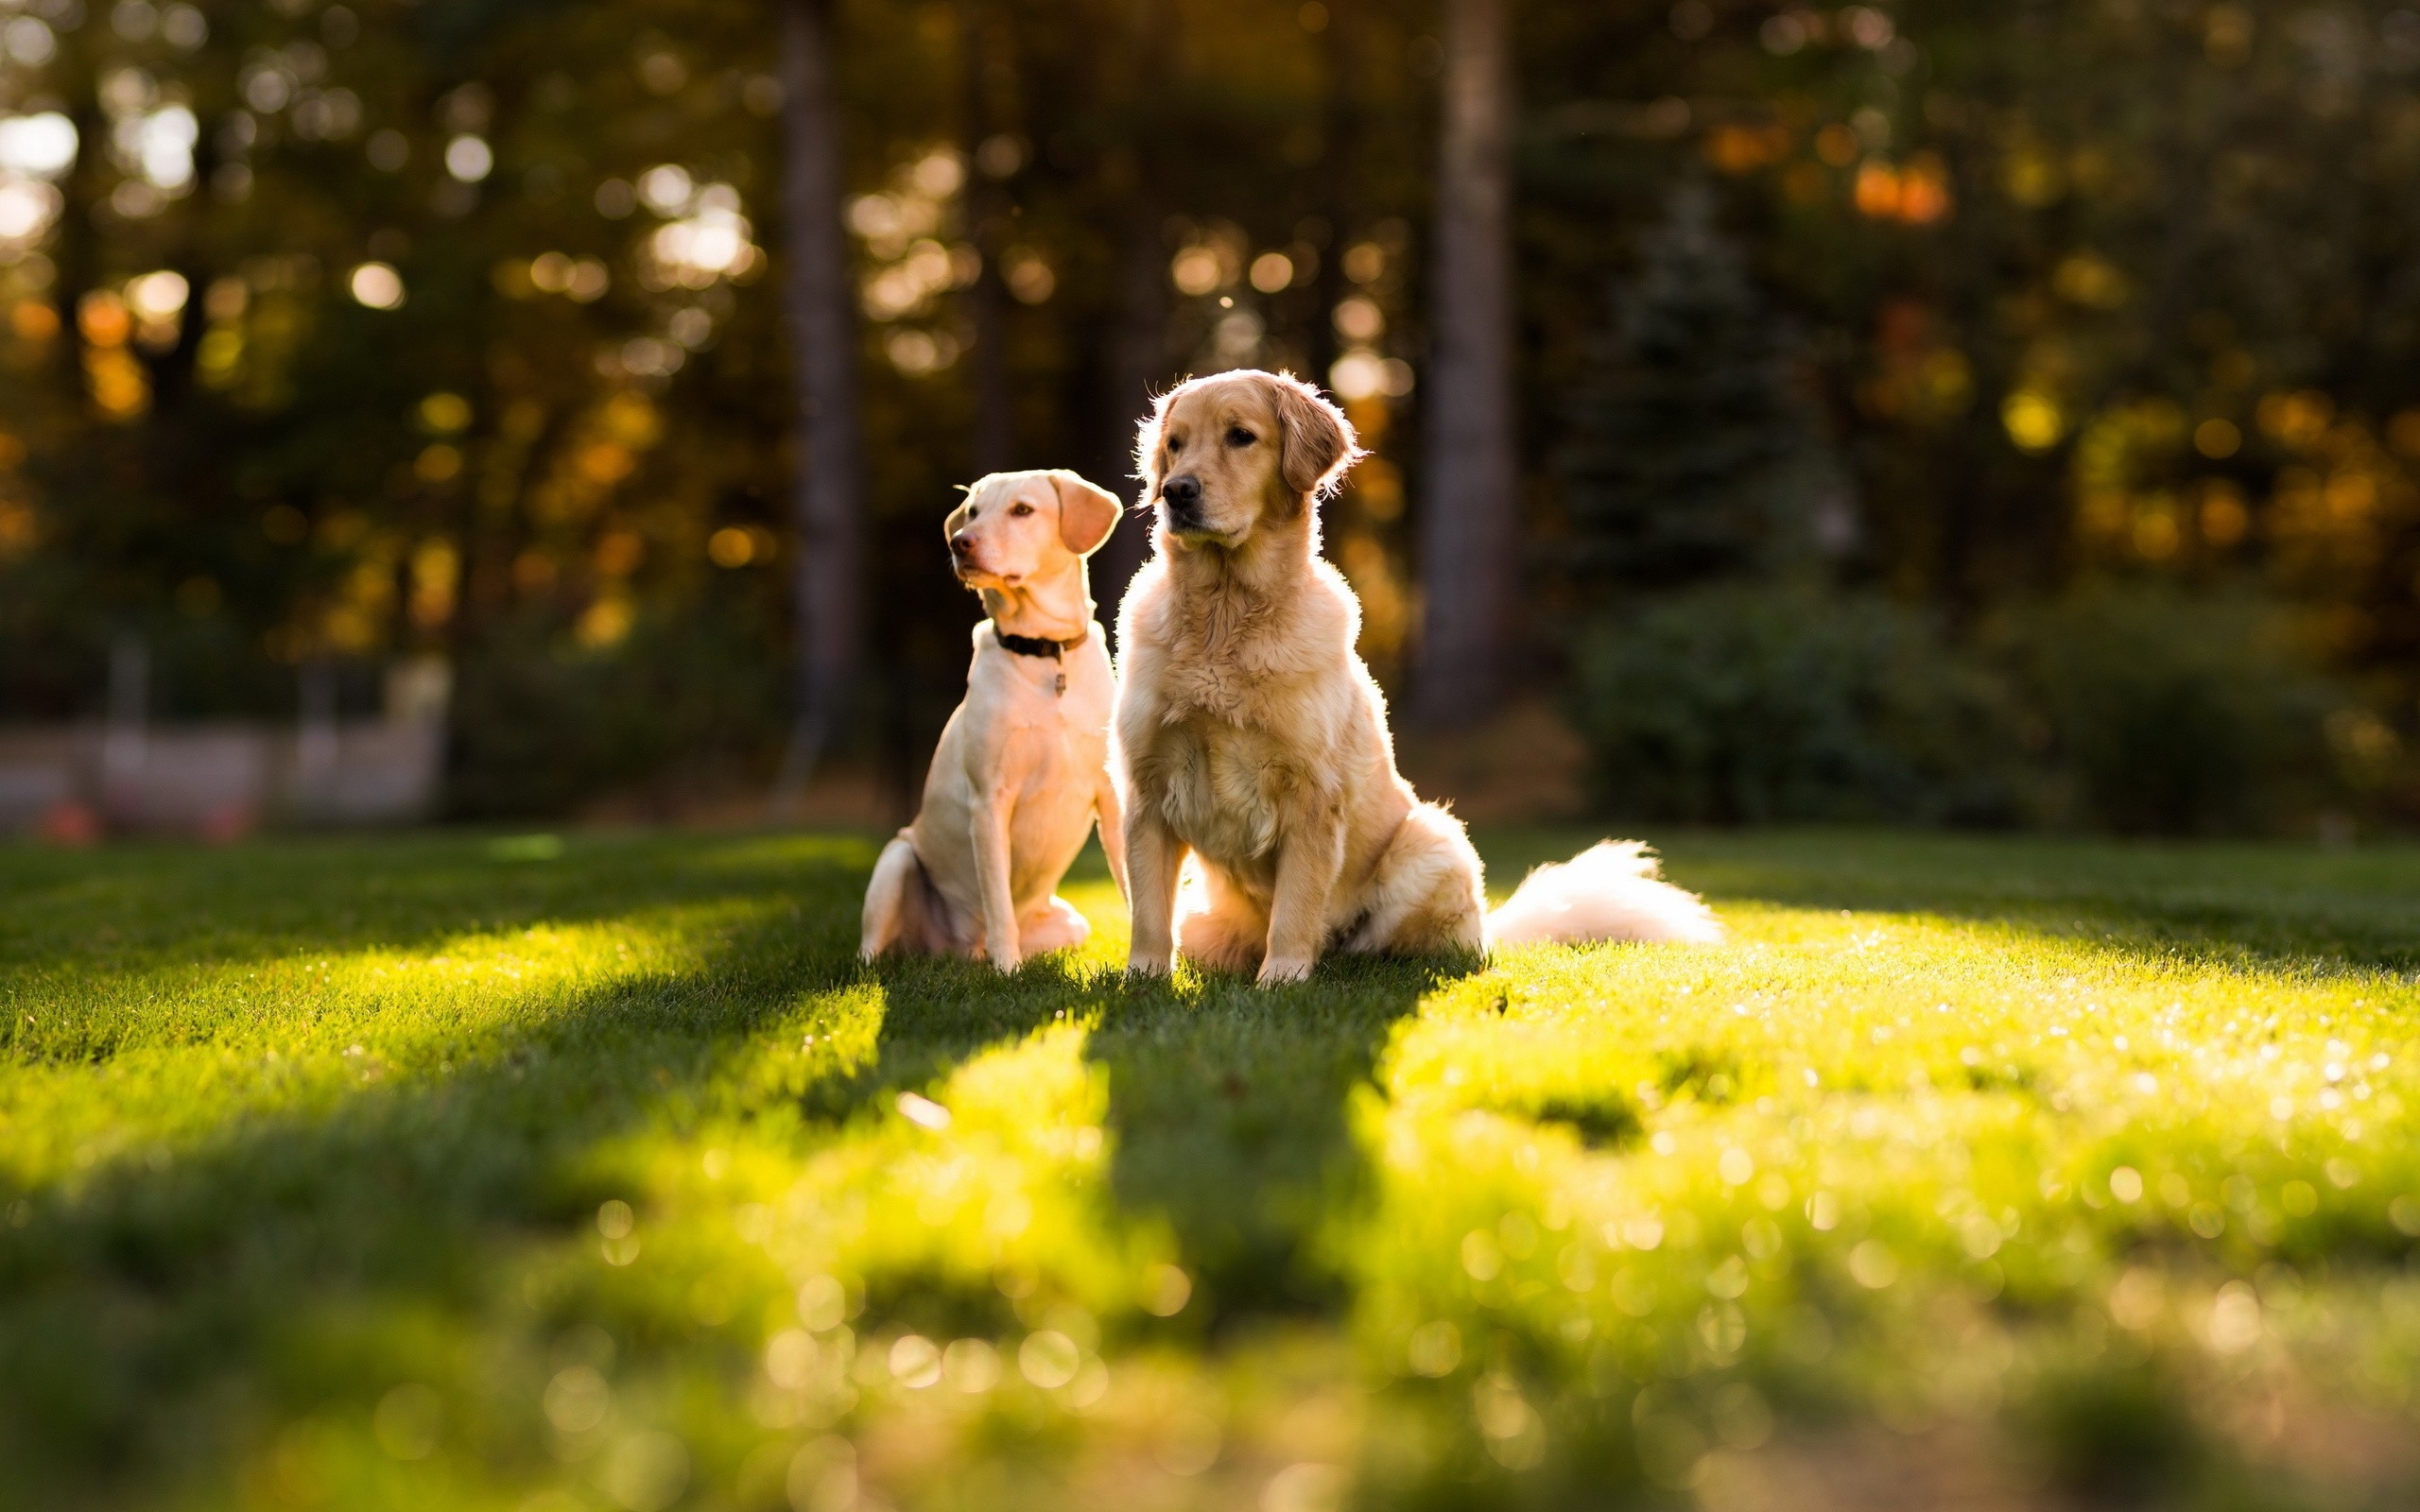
[1224, 454]
[1016, 527]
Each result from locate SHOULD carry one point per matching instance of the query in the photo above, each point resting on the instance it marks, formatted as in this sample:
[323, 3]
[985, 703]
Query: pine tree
[1692, 455]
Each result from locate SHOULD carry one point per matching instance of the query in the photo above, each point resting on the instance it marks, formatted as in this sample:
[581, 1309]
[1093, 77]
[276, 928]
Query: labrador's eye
[1022, 508]
[1240, 436]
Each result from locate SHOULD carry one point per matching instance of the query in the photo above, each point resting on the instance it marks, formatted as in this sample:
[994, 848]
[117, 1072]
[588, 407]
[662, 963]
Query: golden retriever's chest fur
[1244, 720]
[1231, 660]
[1221, 788]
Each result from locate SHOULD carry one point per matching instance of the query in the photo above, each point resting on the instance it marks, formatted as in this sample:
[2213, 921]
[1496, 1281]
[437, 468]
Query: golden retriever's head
[1016, 527]
[1224, 454]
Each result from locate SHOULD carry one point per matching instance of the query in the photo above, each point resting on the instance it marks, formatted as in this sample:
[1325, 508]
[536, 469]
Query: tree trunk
[987, 216]
[1469, 524]
[1138, 358]
[1341, 120]
[828, 491]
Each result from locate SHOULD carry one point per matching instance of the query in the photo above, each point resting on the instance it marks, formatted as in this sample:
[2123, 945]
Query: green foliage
[1941, 272]
[2096, 337]
[2180, 715]
[514, 1171]
[269, 482]
[1751, 703]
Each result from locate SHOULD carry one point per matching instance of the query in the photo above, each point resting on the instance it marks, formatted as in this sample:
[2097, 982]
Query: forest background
[2000, 415]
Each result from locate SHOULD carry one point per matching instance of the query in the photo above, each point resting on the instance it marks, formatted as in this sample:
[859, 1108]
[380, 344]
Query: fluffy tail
[1609, 891]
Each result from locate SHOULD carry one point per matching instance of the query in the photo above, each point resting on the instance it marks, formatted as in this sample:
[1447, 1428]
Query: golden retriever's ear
[1317, 445]
[1147, 446]
[1087, 512]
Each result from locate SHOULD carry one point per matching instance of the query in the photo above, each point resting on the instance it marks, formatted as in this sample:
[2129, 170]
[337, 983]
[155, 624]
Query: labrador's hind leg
[896, 914]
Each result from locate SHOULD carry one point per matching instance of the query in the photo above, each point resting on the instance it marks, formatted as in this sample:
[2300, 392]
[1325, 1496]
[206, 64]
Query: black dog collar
[1035, 645]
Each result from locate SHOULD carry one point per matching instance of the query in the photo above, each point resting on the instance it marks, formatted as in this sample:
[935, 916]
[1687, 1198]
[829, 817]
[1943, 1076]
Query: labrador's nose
[1184, 493]
[961, 545]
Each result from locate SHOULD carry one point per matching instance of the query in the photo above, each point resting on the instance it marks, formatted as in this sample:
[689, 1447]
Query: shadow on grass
[1228, 1105]
[1229, 1109]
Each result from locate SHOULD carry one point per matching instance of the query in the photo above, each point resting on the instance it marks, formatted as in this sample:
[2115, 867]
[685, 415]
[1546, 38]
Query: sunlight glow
[28, 208]
[41, 146]
[158, 296]
[162, 143]
[377, 285]
[469, 158]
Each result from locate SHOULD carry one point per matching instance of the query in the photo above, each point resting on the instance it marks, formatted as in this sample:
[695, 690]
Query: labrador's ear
[1087, 513]
[957, 521]
[1316, 445]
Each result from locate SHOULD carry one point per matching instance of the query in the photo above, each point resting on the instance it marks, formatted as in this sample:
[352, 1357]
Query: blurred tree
[1139, 365]
[831, 561]
[984, 57]
[342, 333]
[1470, 518]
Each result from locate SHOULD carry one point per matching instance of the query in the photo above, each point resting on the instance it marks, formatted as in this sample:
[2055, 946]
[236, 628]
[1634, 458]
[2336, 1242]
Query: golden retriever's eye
[1240, 436]
[1022, 508]
[1176, 444]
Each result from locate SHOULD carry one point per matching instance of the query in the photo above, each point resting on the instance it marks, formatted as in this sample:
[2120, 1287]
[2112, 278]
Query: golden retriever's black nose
[1184, 493]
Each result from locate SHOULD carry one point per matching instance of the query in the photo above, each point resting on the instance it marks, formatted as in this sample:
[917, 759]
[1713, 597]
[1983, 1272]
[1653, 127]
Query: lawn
[459, 1171]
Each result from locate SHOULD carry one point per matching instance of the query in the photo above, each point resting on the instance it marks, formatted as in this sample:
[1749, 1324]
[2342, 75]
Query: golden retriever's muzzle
[1181, 494]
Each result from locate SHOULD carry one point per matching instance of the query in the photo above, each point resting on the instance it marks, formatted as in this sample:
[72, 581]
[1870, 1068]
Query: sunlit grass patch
[599, 1174]
[1913, 1168]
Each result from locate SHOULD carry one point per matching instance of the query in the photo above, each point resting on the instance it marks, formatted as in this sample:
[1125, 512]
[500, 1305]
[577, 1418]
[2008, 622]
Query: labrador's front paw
[1005, 957]
[1275, 972]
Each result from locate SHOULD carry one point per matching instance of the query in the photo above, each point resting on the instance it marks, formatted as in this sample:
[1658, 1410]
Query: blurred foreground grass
[450, 1171]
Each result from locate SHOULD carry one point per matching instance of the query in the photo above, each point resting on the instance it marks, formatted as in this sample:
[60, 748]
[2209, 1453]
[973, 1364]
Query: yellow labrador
[1251, 737]
[1022, 771]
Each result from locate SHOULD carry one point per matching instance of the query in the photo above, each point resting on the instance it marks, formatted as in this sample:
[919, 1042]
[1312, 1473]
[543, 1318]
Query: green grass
[451, 1171]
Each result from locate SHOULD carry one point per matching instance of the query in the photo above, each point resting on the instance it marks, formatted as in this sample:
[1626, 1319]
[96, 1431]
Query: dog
[1022, 772]
[1252, 738]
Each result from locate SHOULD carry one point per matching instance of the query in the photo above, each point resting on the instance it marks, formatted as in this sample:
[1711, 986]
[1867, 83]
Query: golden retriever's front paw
[1276, 972]
[1141, 967]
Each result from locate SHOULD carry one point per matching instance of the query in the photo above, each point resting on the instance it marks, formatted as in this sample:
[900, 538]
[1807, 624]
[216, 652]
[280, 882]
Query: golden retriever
[1250, 736]
[1022, 771]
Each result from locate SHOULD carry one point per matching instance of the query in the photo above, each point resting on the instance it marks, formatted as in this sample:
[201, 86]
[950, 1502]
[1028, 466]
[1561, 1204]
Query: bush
[2180, 715]
[542, 724]
[1741, 705]
[2140, 710]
